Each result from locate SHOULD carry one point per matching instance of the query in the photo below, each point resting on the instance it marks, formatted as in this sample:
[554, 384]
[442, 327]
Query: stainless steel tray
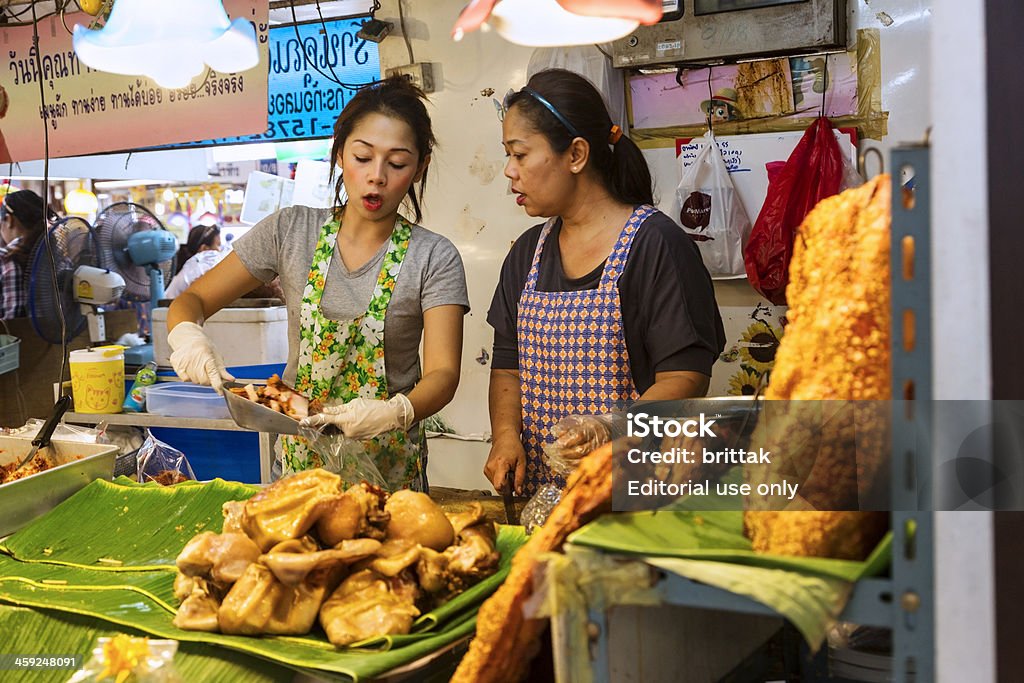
[256, 417]
[23, 500]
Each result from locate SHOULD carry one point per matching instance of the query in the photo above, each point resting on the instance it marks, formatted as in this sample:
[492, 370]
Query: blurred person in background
[200, 253]
[22, 222]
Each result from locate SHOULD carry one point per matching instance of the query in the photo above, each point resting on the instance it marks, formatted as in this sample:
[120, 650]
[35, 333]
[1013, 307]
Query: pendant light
[552, 23]
[168, 41]
[81, 202]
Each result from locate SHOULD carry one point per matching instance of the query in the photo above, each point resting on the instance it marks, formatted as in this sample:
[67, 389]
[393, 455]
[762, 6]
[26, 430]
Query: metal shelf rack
[903, 602]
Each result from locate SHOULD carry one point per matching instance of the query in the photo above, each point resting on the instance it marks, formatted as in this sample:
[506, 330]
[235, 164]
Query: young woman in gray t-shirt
[363, 286]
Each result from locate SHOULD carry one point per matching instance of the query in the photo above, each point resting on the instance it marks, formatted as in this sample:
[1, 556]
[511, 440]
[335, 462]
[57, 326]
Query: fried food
[836, 346]
[500, 652]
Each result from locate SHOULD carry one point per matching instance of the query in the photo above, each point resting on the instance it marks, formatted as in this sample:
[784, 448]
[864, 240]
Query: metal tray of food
[255, 416]
[75, 464]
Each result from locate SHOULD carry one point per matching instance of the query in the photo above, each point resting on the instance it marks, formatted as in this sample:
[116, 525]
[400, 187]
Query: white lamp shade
[543, 23]
[81, 202]
[168, 41]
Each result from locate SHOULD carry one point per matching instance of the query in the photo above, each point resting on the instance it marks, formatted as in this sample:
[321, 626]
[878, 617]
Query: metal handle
[59, 408]
[862, 160]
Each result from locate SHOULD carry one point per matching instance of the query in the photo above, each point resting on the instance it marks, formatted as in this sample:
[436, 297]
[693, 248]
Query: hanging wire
[312, 62]
[47, 239]
[711, 95]
[405, 34]
[824, 85]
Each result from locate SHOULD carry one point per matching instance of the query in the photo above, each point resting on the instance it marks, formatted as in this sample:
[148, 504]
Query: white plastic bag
[711, 212]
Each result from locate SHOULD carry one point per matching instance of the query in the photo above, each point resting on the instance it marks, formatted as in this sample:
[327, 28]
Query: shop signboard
[88, 111]
[315, 68]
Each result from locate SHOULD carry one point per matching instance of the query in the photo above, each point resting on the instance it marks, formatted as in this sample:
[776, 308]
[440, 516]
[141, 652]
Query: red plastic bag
[816, 169]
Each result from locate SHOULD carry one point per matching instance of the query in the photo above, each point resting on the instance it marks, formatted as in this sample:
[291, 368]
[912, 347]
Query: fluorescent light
[168, 41]
[122, 184]
[250, 152]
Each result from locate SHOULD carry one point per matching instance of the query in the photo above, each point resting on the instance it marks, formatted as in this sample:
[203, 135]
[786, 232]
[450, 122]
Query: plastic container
[97, 379]
[182, 399]
[243, 336]
[9, 347]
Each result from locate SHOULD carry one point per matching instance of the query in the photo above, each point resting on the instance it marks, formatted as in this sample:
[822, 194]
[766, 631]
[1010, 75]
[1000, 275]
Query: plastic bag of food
[711, 212]
[539, 507]
[345, 457]
[125, 658]
[577, 436]
[162, 463]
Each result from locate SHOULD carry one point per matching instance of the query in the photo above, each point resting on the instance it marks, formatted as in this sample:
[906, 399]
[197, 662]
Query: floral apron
[572, 352]
[343, 360]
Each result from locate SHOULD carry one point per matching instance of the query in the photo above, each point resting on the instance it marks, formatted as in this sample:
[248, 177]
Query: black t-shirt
[669, 314]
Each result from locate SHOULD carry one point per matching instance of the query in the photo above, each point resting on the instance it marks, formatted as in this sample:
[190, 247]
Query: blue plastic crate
[234, 456]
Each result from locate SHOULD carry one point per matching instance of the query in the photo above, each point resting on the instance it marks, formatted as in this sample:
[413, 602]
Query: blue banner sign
[303, 99]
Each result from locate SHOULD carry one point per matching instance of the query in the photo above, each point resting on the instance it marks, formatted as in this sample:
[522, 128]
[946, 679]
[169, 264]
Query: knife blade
[506, 495]
[42, 439]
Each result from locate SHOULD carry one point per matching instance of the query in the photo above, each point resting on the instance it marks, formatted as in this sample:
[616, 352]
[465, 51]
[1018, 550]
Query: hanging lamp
[81, 202]
[168, 41]
[551, 23]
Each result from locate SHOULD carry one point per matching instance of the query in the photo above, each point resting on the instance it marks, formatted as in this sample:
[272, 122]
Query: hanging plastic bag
[711, 213]
[817, 168]
[162, 463]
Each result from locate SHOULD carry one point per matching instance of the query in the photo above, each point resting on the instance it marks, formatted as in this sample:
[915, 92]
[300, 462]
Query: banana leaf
[709, 546]
[44, 632]
[712, 535]
[125, 527]
[47, 567]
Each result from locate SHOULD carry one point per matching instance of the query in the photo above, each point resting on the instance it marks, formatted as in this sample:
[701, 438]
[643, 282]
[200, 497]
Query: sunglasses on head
[540, 99]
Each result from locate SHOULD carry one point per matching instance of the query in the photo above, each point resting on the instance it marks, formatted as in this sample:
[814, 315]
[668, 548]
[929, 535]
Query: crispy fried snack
[505, 640]
[837, 346]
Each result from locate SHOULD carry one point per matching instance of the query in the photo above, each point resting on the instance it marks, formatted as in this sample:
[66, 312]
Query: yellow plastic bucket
[97, 379]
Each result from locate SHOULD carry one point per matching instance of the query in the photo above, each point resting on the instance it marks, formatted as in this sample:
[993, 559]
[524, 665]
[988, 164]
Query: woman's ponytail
[630, 176]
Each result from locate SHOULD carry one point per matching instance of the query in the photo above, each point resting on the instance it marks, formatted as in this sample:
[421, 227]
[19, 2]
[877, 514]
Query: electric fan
[134, 243]
[66, 274]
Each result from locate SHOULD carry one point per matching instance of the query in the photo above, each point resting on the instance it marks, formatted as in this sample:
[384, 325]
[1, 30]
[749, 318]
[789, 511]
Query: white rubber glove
[364, 418]
[195, 358]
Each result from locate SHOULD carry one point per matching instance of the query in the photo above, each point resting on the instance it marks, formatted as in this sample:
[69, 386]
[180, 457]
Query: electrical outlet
[420, 73]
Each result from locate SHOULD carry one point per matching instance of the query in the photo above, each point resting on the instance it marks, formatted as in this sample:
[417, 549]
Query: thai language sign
[89, 111]
[314, 70]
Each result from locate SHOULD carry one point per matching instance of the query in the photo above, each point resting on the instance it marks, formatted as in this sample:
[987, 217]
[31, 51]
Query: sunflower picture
[758, 345]
[744, 383]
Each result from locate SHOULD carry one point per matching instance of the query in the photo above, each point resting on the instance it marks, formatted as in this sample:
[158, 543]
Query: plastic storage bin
[9, 348]
[181, 399]
[243, 336]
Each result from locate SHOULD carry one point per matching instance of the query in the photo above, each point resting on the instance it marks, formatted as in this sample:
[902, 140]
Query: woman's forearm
[505, 404]
[677, 385]
[434, 391]
[186, 307]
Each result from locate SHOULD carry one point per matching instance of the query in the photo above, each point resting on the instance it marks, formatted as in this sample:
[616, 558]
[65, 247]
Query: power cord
[312, 62]
[47, 238]
[405, 34]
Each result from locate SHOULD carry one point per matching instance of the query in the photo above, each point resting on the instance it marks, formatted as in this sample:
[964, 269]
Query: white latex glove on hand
[195, 358]
[364, 418]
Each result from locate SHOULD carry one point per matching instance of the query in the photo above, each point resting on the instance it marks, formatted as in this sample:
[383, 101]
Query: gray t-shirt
[432, 275]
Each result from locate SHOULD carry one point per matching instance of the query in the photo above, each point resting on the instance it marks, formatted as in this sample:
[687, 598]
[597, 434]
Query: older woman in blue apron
[363, 286]
[605, 303]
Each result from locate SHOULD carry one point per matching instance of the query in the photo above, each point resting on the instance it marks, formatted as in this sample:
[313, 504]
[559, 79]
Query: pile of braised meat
[364, 563]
